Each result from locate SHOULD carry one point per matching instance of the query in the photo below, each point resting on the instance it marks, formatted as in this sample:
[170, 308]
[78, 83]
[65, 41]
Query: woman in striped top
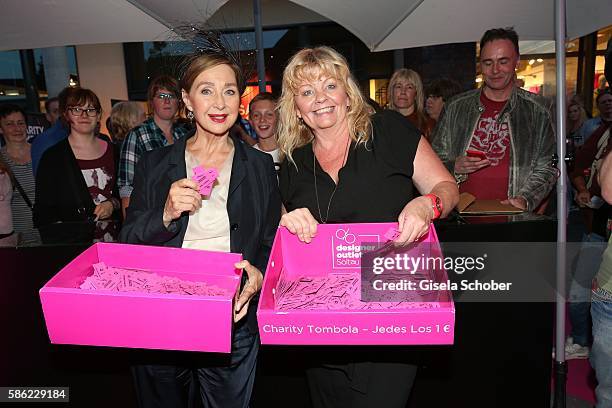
[7, 234]
[16, 154]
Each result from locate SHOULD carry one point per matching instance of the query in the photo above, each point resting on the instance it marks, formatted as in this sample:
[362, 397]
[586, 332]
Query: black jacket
[63, 209]
[253, 204]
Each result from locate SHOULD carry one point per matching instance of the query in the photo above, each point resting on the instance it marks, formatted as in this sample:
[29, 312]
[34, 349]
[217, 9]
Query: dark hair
[443, 87]
[163, 82]
[507, 33]
[605, 91]
[9, 108]
[82, 96]
[49, 101]
[195, 64]
[63, 98]
[264, 96]
[77, 97]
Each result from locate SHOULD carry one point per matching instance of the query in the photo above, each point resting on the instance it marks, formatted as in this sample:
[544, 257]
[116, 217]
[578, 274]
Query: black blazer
[253, 204]
[62, 197]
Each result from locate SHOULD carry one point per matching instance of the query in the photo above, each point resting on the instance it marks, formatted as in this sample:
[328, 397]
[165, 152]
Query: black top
[374, 185]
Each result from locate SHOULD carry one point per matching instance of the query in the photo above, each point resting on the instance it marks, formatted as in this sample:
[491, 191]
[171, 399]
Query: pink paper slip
[205, 179]
[125, 280]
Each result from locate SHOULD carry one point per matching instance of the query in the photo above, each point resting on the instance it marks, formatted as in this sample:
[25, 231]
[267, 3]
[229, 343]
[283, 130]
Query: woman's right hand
[183, 196]
[301, 223]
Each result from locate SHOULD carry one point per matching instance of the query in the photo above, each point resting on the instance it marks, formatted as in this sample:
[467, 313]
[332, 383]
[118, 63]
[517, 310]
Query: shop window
[603, 36]
[12, 86]
[378, 91]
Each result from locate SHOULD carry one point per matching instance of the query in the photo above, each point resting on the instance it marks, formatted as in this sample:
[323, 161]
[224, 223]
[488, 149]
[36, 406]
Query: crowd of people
[300, 160]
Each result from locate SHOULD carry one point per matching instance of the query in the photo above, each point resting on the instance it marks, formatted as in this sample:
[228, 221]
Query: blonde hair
[124, 117]
[413, 78]
[307, 65]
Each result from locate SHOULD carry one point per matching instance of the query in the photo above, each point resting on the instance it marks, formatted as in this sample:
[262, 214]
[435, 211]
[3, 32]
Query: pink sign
[310, 297]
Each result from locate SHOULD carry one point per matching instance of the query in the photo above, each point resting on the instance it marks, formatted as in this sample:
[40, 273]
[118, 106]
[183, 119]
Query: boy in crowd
[263, 117]
[158, 131]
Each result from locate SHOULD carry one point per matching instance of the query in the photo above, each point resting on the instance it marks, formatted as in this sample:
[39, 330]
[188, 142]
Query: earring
[301, 120]
[190, 114]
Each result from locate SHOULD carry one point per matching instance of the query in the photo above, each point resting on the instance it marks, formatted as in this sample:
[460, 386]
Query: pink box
[325, 254]
[143, 320]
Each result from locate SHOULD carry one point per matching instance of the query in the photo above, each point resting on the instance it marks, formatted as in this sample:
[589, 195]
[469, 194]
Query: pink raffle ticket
[205, 179]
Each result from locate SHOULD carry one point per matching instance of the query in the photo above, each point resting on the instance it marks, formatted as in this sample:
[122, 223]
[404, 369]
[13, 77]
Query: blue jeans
[601, 353]
[587, 265]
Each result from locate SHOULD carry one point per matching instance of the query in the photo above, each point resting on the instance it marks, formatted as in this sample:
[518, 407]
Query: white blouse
[209, 227]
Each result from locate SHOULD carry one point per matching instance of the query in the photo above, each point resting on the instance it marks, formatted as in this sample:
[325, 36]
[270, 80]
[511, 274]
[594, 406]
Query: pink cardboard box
[333, 251]
[143, 320]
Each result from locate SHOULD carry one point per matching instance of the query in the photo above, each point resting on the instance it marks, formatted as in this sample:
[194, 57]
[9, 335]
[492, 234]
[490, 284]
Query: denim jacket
[532, 141]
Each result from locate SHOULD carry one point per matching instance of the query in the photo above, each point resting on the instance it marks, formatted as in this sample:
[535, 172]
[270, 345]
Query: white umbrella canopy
[28, 24]
[382, 25]
[394, 24]
[37, 24]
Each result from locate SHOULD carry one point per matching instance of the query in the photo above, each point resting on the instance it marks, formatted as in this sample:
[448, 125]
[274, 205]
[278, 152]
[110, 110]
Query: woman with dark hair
[438, 92]
[75, 183]
[240, 214]
[17, 157]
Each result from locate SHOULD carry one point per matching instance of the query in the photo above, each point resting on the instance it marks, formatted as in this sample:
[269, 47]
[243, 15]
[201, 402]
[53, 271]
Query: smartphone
[476, 153]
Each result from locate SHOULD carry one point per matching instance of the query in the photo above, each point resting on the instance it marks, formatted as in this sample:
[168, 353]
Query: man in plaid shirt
[158, 131]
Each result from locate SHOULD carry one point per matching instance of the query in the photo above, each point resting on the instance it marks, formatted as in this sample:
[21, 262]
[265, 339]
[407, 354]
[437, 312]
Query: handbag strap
[23, 194]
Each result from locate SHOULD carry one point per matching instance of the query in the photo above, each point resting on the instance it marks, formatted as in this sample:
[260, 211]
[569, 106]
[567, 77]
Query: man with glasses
[158, 131]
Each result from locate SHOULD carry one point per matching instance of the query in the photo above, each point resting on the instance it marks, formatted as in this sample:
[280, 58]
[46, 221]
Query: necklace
[331, 197]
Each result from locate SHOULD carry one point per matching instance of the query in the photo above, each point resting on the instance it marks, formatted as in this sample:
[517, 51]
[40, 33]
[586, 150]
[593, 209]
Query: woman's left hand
[252, 287]
[103, 210]
[414, 220]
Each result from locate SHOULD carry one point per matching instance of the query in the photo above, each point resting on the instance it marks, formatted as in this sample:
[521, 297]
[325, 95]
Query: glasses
[165, 96]
[91, 112]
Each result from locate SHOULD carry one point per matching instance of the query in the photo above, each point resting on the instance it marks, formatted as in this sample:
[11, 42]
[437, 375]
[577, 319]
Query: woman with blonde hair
[337, 156]
[576, 116]
[124, 117]
[407, 97]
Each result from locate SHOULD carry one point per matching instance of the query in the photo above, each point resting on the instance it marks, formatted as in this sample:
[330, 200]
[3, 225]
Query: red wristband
[436, 205]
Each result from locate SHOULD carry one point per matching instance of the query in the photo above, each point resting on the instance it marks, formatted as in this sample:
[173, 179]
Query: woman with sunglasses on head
[76, 179]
